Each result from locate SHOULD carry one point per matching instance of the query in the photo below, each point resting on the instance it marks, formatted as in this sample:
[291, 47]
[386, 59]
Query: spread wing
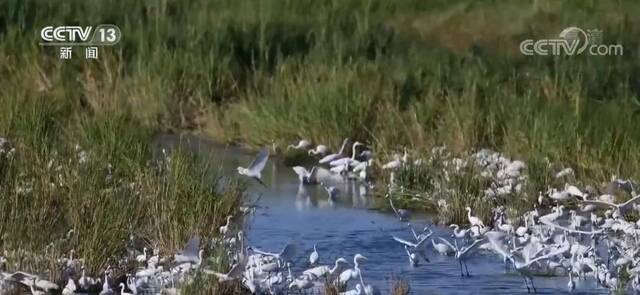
[301, 171]
[551, 254]
[551, 224]
[260, 161]
[600, 203]
[448, 244]
[405, 242]
[632, 201]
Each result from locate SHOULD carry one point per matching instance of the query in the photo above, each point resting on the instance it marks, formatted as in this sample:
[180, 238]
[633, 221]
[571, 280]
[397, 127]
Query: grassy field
[394, 74]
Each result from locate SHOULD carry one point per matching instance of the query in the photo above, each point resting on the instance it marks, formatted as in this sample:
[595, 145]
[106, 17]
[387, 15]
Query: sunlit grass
[412, 74]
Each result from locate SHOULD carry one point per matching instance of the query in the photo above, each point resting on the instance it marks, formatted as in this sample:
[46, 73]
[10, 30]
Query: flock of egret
[594, 240]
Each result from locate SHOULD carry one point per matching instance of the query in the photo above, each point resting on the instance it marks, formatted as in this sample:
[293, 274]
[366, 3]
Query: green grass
[82, 159]
[413, 74]
[110, 190]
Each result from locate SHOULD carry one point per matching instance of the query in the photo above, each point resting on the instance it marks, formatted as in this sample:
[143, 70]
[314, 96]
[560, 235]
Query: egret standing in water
[313, 258]
[255, 168]
[332, 157]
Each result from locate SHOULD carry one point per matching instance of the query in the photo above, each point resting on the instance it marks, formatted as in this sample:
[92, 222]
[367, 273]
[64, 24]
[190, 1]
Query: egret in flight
[255, 168]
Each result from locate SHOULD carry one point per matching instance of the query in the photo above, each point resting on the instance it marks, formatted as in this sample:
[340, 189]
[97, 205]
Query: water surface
[290, 213]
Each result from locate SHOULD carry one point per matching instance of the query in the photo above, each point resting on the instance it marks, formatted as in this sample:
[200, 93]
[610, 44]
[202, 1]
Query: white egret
[354, 272]
[106, 290]
[559, 196]
[331, 157]
[86, 282]
[33, 289]
[302, 144]
[574, 191]
[474, 220]
[70, 288]
[142, 258]
[305, 176]
[442, 248]
[313, 258]
[256, 166]
[368, 289]
[357, 291]
[286, 255]
[571, 285]
[407, 243]
[225, 228]
[122, 292]
[348, 161]
[459, 233]
[301, 283]
[523, 266]
[415, 255]
[461, 254]
[320, 149]
[325, 271]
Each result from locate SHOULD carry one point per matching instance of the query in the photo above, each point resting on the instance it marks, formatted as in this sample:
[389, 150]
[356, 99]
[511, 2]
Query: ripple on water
[344, 228]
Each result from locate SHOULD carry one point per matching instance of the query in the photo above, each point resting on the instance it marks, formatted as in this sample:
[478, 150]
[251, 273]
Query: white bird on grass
[397, 161]
[257, 165]
[320, 149]
[573, 190]
[302, 144]
[225, 228]
[142, 257]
